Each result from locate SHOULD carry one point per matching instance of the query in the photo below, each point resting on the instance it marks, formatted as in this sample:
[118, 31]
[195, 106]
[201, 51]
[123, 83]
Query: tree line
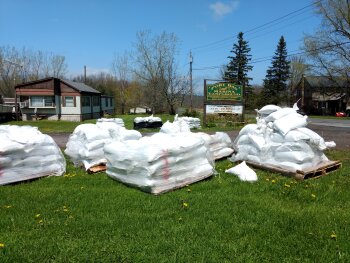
[149, 74]
[325, 53]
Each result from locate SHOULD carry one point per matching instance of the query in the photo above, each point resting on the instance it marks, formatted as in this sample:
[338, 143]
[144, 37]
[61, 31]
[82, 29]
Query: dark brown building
[323, 96]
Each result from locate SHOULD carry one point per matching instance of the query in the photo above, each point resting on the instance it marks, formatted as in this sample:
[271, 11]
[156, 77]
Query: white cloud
[221, 9]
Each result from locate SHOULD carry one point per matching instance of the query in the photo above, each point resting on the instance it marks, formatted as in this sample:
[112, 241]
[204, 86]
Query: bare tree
[329, 47]
[157, 69]
[298, 68]
[17, 66]
[121, 72]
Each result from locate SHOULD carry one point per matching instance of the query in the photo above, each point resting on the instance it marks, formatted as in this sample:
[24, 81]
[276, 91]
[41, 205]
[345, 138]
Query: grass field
[83, 217]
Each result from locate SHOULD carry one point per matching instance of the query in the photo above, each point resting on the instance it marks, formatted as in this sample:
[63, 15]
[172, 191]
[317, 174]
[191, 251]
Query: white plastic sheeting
[244, 172]
[85, 144]
[280, 138]
[159, 163]
[26, 153]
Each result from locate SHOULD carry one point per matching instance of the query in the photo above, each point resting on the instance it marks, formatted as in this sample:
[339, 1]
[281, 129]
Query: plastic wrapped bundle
[158, 163]
[85, 144]
[26, 153]
[280, 139]
[193, 123]
[219, 144]
[147, 122]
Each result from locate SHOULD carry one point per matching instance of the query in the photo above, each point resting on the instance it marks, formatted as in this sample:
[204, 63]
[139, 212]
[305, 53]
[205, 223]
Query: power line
[270, 23]
[267, 58]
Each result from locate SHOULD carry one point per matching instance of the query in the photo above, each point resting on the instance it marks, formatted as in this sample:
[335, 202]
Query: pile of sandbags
[280, 138]
[85, 144]
[219, 144]
[147, 122]
[117, 121]
[26, 153]
[158, 163]
[193, 123]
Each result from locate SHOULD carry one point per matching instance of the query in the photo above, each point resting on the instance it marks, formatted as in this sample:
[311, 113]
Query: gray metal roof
[81, 86]
[322, 81]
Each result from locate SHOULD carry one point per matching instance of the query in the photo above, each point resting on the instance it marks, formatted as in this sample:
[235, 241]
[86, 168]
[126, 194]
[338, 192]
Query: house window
[42, 101]
[96, 101]
[68, 101]
[85, 101]
[106, 102]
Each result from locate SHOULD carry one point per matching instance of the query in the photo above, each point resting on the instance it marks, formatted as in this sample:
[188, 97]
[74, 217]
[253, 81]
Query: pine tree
[238, 67]
[275, 82]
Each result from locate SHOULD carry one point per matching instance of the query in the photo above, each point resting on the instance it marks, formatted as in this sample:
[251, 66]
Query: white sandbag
[290, 122]
[268, 109]
[248, 129]
[330, 144]
[279, 114]
[314, 138]
[295, 136]
[243, 172]
[170, 128]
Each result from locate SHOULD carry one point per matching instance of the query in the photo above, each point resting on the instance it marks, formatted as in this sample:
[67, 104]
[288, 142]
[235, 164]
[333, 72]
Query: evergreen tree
[275, 83]
[238, 67]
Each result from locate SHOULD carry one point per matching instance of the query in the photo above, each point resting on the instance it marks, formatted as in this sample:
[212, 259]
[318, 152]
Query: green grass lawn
[84, 217]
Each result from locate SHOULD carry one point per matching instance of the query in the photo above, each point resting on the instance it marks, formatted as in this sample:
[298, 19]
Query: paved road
[341, 122]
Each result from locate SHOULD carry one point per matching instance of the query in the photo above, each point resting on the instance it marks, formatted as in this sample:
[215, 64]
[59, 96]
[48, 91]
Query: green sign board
[224, 91]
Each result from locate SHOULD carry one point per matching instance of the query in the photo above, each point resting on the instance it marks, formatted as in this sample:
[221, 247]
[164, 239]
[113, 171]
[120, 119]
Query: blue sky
[90, 32]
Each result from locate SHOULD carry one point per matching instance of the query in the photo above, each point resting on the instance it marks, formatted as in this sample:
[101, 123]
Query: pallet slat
[97, 168]
[314, 172]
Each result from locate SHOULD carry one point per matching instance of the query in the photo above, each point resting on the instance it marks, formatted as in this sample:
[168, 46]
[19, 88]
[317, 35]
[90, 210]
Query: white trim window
[68, 101]
[42, 101]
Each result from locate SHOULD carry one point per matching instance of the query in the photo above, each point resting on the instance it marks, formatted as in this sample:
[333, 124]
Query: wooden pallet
[97, 168]
[314, 172]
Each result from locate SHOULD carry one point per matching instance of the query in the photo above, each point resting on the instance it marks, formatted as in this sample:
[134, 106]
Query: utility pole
[191, 88]
[84, 74]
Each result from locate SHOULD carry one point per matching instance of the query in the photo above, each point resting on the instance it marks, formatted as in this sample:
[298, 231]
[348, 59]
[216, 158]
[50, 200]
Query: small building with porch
[321, 95]
[58, 99]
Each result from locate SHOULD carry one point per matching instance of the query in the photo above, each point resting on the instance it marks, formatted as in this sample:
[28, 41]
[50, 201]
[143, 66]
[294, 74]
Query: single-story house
[322, 95]
[58, 99]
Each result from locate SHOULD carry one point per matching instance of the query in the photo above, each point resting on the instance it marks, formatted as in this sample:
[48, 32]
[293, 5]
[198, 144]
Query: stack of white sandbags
[26, 153]
[280, 138]
[147, 122]
[85, 144]
[193, 123]
[158, 163]
[218, 144]
[118, 121]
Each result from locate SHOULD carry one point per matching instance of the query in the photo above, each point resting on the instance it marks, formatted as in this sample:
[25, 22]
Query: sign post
[223, 97]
